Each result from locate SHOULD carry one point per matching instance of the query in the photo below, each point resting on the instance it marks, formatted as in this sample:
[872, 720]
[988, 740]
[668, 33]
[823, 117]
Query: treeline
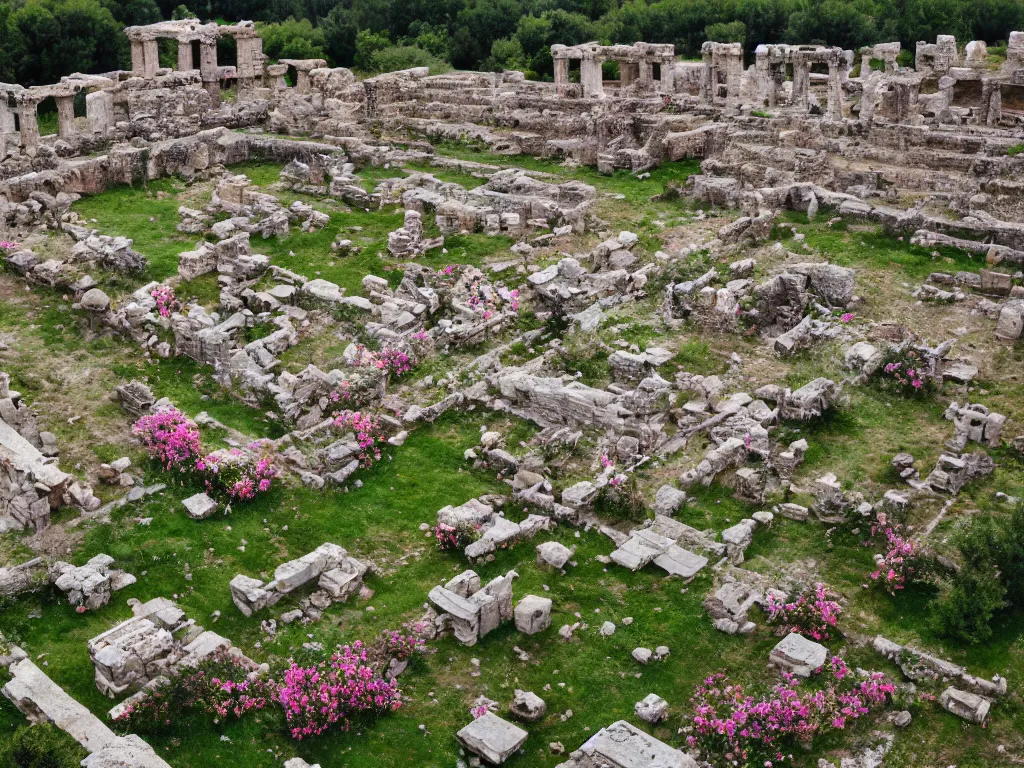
[40, 40]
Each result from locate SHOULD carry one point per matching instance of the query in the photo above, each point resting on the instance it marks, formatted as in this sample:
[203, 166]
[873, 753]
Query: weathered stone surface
[798, 655]
[493, 739]
[533, 614]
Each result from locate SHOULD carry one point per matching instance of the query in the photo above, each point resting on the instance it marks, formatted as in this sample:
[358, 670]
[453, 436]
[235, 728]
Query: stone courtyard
[581, 379]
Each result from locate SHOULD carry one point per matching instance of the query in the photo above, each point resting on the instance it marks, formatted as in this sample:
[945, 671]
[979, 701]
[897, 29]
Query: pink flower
[846, 317]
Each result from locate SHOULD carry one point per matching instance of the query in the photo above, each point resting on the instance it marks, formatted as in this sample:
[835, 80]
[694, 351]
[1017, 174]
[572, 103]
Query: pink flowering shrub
[898, 561]
[454, 537]
[326, 695]
[241, 474]
[367, 431]
[814, 613]
[401, 644]
[7, 245]
[219, 688]
[393, 360]
[847, 317]
[902, 372]
[733, 728]
[166, 303]
[170, 437]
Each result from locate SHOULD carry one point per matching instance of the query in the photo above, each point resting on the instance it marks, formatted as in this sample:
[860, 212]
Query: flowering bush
[401, 644]
[241, 474]
[394, 361]
[367, 431]
[169, 436]
[219, 687]
[733, 728]
[325, 695]
[452, 537]
[166, 303]
[7, 245]
[813, 614]
[846, 317]
[903, 372]
[898, 563]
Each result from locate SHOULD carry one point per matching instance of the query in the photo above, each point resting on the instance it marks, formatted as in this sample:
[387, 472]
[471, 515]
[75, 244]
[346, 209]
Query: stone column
[276, 73]
[561, 76]
[865, 65]
[992, 102]
[801, 80]
[208, 69]
[246, 65]
[65, 116]
[644, 72]
[707, 83]
[151, 55]
[138, 58]
[668, 75]
[590, 77]
[99, 108]
[29, 123]
[835, 90]
[6, 117]
[185, 56]
[302, 80]
[734, 75]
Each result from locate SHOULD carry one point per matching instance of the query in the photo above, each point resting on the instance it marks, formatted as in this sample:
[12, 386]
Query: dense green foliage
[991, 577]
[40, 746]
[44, 39]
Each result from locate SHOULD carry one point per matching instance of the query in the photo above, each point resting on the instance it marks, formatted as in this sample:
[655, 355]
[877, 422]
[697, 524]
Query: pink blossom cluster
[904, 377]
[367, 431]
[166, 303]
[241, 474]
[897, 564]
[606, 462]
[446, 271]
[170, 437]
[220, 687]
[323, 696]
[452, 537]
[479, 711]
[7, 245]
[402, 645]
[342, 392]
[847, 317]
[394, 361]
[813, 614]
[365, 357]
[731, 727]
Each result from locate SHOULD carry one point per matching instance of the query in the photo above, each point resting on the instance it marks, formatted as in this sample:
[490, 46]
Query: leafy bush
[396, 57]
[902, 371]
[219, 688]
[814, 613]
[726, 32]
[990, 579]
[40, 746]
[733, 728]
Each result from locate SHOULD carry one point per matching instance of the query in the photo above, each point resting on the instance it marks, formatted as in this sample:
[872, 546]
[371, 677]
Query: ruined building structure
[798, 127]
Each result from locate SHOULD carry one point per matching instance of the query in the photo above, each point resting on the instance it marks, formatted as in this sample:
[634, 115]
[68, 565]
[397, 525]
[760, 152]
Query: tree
[506, 54]
[340, 30]
[292, 39]
[133, 12]
[367, 44]
[396, 57]
[11, 50]
[832, 22]
[60, 37]
[726, 32]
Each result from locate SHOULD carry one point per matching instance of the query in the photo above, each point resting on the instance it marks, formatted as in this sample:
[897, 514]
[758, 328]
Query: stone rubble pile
[469, 610]
[157, 639]
[488, 529]
[337, 576]
[89, 585]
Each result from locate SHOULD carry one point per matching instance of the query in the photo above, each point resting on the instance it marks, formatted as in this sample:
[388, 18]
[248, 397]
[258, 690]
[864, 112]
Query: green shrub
[991, 577]
[41, 746]
[396, 57]
[1015, 150]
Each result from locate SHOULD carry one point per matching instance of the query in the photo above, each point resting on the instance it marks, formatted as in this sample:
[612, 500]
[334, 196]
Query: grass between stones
[66, 373]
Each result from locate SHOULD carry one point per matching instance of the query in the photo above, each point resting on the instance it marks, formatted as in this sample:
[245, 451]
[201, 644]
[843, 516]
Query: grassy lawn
[590, 681]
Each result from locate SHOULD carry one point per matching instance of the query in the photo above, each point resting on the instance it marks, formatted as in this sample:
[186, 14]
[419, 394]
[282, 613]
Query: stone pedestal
[185, 62]
[65, 116]
[29, 127]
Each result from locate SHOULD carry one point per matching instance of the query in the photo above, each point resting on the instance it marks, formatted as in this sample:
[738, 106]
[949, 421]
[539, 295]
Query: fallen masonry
[89, 585]
[493, 739]
[469, 610]
[337, 575]
[623, 745]
[43, 701]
